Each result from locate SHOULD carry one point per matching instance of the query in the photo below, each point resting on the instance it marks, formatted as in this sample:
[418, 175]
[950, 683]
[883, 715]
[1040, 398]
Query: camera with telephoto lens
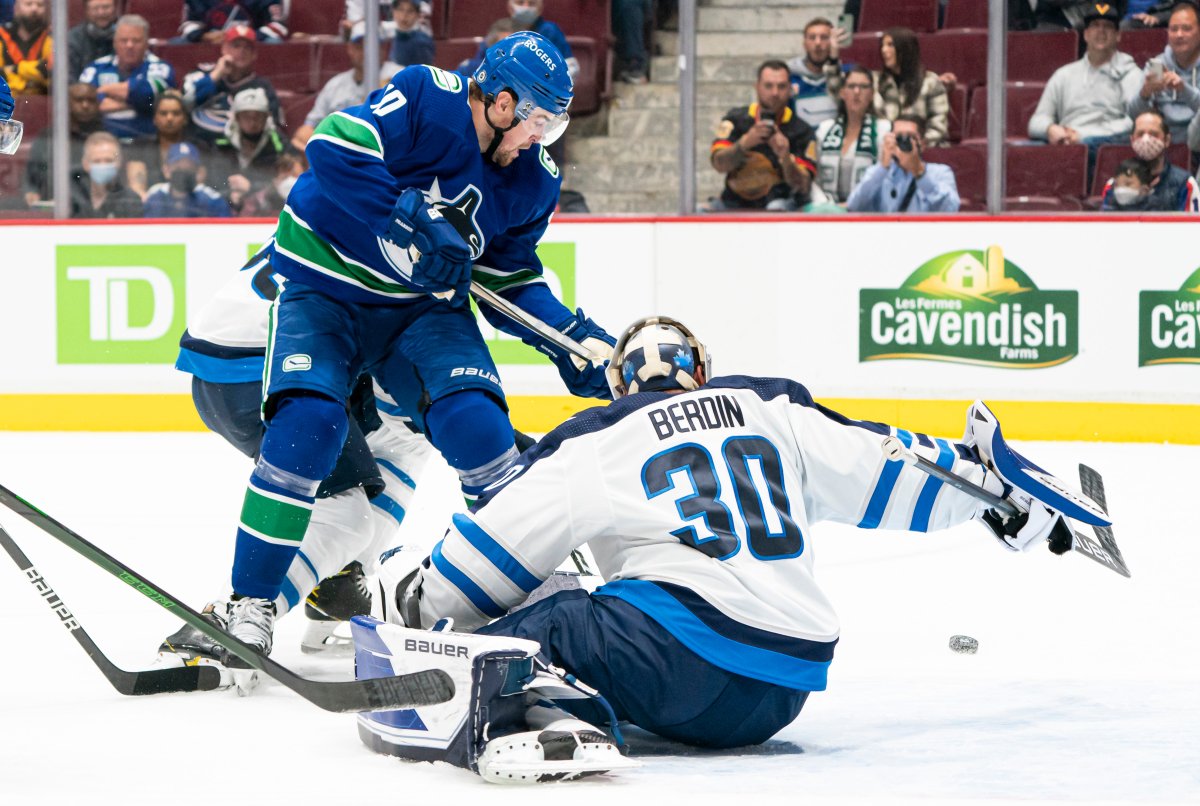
[904, 142]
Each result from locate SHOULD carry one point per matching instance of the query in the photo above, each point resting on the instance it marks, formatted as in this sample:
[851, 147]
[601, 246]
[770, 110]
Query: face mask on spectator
[284, 186]
[525, 16]
[1126, 195]
[103, 173]
[183, 181]
[1148, 147]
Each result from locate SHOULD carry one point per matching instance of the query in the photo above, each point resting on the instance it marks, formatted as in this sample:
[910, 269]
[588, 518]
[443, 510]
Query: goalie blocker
[501, 722]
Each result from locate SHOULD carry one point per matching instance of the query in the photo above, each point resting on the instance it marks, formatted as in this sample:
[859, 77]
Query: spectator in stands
[345, 89]
[131, 80]
[25, 49]
[1056, 15]
[92, 38]
[147, 155]
[811, 99]
[354, 13]
[97, 191]
[495, 32]
[410, 45]
[904, 86]
[1085, 101]
[208, 93]
[1169, 83]
[184, 194]
[6, 11]
[902, 182]
[847, 145]
[762, 148]
[268, 201]
[245, 157]
[1147, 14]
[629, 28]
[207, 20]
[527, 16]
[1129, 189]
[84, 112]
[1172, 189]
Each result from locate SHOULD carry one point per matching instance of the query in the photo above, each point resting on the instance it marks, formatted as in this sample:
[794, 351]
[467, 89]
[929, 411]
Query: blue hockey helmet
[531, 68]
[656, 354]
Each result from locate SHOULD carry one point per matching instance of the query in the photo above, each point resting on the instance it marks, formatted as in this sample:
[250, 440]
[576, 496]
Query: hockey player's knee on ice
[497, 724]
[305, 434]
[472, 431]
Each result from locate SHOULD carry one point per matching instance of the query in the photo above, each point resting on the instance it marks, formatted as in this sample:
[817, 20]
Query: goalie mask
[656, 354]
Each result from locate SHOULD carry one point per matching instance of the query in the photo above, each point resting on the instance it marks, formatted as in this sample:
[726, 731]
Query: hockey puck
[964, 644]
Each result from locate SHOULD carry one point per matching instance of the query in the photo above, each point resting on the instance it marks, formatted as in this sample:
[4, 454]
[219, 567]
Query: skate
[330, 605]
[190, 647]
[564, 750]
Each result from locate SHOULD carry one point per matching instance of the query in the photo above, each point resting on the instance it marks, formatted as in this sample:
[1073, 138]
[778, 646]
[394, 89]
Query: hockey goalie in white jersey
[697, 498]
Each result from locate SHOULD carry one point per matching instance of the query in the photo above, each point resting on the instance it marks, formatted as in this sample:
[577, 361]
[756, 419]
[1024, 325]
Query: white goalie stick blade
[1103, 547]
[518, 759]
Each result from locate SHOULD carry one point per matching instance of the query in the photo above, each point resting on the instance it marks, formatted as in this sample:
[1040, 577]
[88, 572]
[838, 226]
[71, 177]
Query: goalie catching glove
[1040, 498]
[441, 259]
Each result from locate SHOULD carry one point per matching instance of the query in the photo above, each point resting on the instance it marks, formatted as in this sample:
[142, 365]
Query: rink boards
[1071, 328]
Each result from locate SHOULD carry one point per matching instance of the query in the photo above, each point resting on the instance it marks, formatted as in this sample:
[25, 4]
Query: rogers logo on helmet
[543, 55]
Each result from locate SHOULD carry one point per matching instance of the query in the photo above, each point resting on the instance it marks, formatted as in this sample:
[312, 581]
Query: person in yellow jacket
[25, 49]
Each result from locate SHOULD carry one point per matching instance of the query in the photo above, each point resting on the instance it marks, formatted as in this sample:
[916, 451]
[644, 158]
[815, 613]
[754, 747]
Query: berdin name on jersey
[696, 414]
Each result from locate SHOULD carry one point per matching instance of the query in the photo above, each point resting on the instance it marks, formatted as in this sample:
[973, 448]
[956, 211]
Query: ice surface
[1086, 687]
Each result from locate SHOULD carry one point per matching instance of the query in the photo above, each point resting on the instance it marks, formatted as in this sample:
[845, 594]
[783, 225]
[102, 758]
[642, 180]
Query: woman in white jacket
[851, 142]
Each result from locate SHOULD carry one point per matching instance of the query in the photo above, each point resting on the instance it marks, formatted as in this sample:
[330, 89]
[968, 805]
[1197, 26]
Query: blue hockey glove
[583, 378]
[6, 100]
[444, 259]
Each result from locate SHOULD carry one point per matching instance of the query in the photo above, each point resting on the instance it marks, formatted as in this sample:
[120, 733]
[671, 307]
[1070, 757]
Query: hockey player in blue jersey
[377, 242]
[697, 497]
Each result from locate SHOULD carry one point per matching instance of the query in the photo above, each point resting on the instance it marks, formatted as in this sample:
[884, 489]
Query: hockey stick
[382, 693]
[539, 327]
[1103, 548]
[149, 681]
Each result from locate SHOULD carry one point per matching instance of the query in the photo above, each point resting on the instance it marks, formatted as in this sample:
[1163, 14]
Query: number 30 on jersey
[753, 466]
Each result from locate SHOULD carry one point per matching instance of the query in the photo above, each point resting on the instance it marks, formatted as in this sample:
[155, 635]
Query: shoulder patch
[724, 129]
[548, 162]
[450, 82]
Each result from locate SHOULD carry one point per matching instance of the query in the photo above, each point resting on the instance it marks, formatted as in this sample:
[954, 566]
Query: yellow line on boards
[1028, 420]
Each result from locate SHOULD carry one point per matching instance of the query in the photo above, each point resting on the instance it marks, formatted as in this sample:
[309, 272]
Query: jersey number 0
[754, 466]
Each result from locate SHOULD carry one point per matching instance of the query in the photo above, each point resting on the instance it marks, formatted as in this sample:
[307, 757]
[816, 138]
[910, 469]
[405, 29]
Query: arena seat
[1045, 170]
[288, 65]
[437, 18]
[1110, 156]
[969, 163]
[879, 15]
[863, 51]
[966, 14]
[295, 107]
[1035, 55]
[591, 18]
[164, 16]
[1143, 44]
[957, 120]
[1041, 204]
[316, 17]
[329, 59]
[589, 85]
[963, 53]
[472, 17]
[1021, 101]
[34, 112]
[451, 52]
[186, 57]
[12, 178]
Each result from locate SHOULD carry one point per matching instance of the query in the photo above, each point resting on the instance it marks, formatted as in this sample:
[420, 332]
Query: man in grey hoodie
[1170, 85]
[1085, 101]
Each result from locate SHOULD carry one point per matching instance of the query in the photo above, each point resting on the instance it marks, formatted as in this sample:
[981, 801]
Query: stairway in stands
[625, 159]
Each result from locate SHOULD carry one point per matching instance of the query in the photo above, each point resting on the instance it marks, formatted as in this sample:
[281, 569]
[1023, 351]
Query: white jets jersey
[698, 508]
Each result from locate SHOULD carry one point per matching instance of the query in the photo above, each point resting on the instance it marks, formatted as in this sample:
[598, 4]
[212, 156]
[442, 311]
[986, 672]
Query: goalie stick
[149, 681]
[428, 687]
[1103, 548]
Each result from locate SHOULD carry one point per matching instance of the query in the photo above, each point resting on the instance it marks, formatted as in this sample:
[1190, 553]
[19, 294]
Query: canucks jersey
[415, 132]
[698, 508]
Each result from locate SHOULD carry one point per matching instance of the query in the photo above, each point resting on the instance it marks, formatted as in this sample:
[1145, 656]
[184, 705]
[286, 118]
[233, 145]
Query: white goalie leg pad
[401, 456]
[489, 674]
[339, 531]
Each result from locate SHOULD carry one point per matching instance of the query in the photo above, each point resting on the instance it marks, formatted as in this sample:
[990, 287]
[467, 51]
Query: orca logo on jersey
[461, 213]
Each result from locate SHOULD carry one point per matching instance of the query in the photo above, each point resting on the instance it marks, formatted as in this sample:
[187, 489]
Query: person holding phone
[902, 182]
[763, 149]
[1171, 80]
[811, 99]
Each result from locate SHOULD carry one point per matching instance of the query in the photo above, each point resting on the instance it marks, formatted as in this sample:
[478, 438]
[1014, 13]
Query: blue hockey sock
[300, 448]
[474, 435]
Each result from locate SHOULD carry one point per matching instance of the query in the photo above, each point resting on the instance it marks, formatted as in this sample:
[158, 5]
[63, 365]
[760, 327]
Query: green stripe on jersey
[274, 518]
[350, 130]
[300, 243]
[499, 282]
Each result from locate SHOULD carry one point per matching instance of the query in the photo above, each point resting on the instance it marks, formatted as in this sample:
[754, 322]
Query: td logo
[120, 304]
